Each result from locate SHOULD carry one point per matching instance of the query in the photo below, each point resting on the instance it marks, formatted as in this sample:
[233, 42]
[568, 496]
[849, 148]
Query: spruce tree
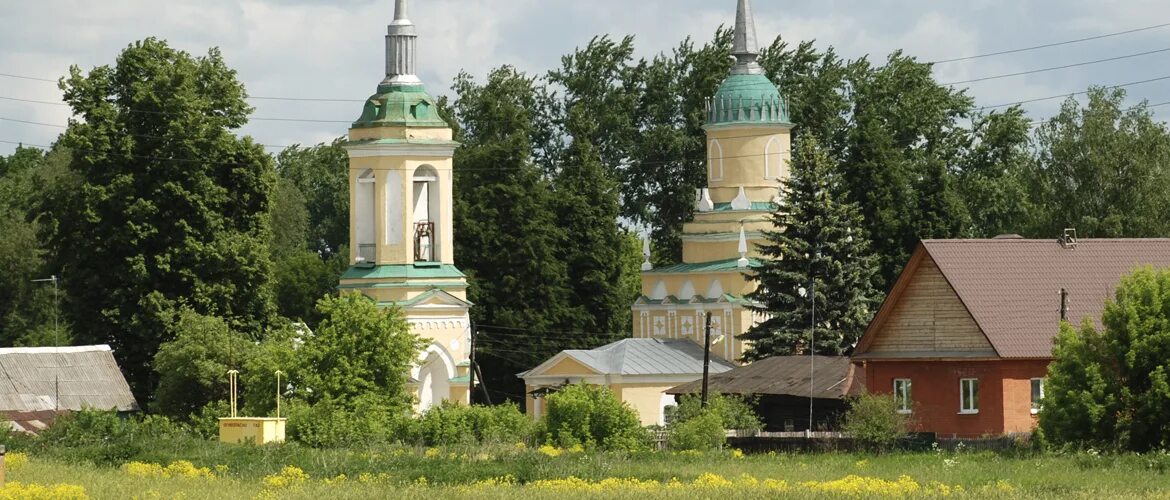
[816, 246]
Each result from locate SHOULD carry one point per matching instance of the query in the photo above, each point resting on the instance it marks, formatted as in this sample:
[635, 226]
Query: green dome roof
[747, 98]
[400, 105]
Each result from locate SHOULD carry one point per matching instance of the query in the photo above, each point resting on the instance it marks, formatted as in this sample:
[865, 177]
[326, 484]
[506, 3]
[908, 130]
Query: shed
[39, 383]
[781, 388]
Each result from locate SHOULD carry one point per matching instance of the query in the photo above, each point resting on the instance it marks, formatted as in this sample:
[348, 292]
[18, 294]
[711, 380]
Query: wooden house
[965, 336]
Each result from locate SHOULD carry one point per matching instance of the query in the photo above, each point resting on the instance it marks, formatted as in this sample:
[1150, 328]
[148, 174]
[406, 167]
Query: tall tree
[902, 138]
[817, 246]
[28, 314]
[667, 162]
[507, 236]
[992, 174]
[173, 208]
[321, 174]
[1102, 169]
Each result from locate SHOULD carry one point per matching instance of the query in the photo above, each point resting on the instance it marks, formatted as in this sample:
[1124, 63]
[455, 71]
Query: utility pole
[706, 357]
[471, 366]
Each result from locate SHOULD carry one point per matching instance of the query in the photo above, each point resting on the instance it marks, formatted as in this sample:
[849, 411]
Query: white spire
[646, 266]
[743, 249]
[745, 48]
[401, 40]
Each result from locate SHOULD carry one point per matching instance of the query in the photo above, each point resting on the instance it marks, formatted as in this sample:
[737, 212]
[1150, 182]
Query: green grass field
[533, 474]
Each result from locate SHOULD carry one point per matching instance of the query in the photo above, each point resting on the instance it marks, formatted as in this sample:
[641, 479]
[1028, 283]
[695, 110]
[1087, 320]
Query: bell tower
[748, 150]
[401, 235]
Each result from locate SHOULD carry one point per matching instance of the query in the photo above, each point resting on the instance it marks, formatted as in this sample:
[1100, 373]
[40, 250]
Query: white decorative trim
[741, 202]
[414, 150]
[711, 158]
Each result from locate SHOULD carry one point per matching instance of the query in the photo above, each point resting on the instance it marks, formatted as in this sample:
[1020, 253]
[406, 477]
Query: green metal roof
[424, 142]
[466, 379]
[698, 299]
[400, 105]
[748, 98]
[704, 267]
[403, 271]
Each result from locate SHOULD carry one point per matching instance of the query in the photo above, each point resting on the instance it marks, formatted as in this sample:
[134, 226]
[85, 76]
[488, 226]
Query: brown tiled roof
[1012, 287]
[834, 378]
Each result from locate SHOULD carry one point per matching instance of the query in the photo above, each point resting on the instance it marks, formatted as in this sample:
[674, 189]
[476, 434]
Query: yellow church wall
[710, 250]
[368, 133]
[748, 156]
[569, 367]
[646, 399]
[732, 282]
[728, 321]
[728, 222]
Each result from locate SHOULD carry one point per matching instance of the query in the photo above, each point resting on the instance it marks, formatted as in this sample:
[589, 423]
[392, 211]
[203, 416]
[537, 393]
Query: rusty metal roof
[33, 378]
[834, 377]
[1012, 287]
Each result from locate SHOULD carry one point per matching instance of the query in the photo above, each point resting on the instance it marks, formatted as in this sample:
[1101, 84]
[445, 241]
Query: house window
[1037, 394]
[969, 395]
[902, 394]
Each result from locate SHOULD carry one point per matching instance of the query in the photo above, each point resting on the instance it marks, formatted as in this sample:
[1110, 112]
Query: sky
[333, 49]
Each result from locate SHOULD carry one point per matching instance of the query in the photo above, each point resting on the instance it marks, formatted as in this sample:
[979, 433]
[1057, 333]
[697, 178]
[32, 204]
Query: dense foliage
[1110, 387]
[692, 427]
[592, 416]
[172, 206]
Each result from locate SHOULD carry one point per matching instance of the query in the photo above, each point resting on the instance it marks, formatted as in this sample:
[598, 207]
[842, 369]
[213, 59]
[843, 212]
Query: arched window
[771, 170]
[426, 214]
[715, 161]
[364, 215]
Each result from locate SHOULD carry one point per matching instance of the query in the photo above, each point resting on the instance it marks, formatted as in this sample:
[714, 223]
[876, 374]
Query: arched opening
[426, 214]
[367, 250]
[435, 381]
[715, 161]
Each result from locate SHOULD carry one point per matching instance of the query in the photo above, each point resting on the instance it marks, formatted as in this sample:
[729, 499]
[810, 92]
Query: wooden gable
[923, 317]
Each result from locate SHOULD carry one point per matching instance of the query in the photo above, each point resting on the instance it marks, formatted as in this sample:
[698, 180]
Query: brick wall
[1004, 393]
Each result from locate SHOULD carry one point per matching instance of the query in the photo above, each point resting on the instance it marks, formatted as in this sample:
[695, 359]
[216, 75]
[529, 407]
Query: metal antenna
[56, 343]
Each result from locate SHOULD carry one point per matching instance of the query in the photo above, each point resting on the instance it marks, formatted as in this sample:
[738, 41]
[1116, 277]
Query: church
[400, 237]
[748, 149]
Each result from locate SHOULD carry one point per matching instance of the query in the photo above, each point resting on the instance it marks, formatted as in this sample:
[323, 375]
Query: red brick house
[965, 336]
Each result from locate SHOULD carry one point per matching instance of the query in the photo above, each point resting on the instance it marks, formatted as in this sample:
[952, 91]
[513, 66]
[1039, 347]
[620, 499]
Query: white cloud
[333, 49]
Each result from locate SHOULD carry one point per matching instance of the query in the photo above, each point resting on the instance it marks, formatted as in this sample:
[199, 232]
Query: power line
[1070, 94]
[1054, 68]
[152, 112]
[6, 119]
[22, 77]
[1055, 44]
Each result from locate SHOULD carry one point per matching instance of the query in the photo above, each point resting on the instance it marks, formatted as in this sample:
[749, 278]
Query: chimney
[1069, 239]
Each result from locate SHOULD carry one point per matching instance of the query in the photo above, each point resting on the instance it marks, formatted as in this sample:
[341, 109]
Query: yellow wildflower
[290, 476]
[550, 450]
[14, 490]
[15, 461]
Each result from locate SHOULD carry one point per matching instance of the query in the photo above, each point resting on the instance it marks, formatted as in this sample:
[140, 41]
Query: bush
[735, 412]
[368, 420]
[700, 432]
[1111, 388]
[873, 420]
[106, 438]
[453, 423]
[591, 416]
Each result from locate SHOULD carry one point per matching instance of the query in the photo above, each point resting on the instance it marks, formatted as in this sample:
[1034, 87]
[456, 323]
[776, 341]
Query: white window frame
[903, 397]
[968, 407]
[1036, 405]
